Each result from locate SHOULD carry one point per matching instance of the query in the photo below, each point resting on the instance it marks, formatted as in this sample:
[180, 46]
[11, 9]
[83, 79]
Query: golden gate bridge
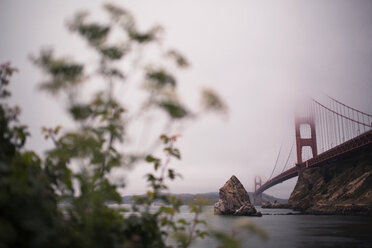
[330, 131]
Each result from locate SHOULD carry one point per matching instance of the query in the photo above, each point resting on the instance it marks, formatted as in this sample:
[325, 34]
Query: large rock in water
[234, 200]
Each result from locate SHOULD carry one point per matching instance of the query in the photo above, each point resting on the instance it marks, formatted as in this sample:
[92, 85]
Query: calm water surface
[308, 231]
[293, 230]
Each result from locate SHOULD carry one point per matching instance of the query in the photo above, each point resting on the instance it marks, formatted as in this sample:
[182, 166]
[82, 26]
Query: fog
[261, 56]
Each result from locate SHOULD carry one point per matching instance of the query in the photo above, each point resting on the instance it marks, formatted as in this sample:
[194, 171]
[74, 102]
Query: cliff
[340, 187]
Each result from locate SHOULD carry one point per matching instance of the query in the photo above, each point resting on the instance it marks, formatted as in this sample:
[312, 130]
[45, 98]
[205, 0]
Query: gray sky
[259, 55]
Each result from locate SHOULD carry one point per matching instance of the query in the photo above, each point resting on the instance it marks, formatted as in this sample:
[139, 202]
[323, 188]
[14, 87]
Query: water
[283, 230]
[292, 230]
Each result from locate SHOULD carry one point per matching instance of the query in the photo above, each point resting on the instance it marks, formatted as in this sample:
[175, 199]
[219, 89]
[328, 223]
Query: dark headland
[342, 187]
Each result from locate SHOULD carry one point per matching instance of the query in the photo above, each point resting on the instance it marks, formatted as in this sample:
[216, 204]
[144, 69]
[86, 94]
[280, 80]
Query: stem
[166, 162]
[192, 229]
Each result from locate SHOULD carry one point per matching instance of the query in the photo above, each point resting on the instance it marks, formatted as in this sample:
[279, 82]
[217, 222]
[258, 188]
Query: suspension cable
[346, 117]
[289, 155]
[349, 106]
[277, 158]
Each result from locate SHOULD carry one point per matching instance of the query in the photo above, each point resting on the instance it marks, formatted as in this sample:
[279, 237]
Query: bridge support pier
[299, 168]
[257, 198]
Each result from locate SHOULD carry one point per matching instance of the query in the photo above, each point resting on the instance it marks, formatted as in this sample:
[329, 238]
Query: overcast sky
[259, 55]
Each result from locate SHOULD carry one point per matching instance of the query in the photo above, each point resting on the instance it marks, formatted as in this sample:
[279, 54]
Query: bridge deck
[348, 146]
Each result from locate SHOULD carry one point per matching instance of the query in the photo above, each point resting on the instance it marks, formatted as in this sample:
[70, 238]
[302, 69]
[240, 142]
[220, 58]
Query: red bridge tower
[257, 199]
[303, 142]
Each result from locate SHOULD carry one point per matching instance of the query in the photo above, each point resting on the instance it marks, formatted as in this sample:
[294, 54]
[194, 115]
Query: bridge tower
[257, 199]
[303, 142]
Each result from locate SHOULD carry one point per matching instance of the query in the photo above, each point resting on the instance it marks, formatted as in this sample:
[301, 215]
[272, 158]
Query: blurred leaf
[160, 78]
[4, 94]
[171, 174]
[95, 34]
[62, 73]
[180, 60]
[6, 71]
[81, 112]
[144, 37]
[112, 52]
[174, 109]
[156, 161]
[173, 152]
[202, 234]
[150, 159]
[182, 239]
[164, 138]
[182, 221]
[115, 12]
[212, 102]
[167, 210]
[225, 240]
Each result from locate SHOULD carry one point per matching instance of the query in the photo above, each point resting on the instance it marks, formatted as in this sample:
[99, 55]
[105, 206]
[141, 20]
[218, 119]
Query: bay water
[286, 228]
[294, 230]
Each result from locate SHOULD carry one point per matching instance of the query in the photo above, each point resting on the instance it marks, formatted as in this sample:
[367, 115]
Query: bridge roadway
[320, 160]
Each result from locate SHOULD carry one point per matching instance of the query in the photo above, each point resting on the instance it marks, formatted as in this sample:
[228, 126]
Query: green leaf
[57, 129]
[63, 73]
[171, 174]
[81, 112]
[150, 159]
[115, 11]
[150, 177]
[167, 210]
[143, 37]
[94, 33]
[164, 138]
[180, 60]
[112, 52]
[174, 109]
[202, 234]
[160, 78]
[225, 240]
[182, 221]
[175, 152]
[212, 102]
[156, 161]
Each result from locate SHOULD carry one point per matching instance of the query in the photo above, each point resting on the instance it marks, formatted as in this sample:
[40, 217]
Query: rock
[234, 200]
[342, 187]
[340, 209]
[275, 204]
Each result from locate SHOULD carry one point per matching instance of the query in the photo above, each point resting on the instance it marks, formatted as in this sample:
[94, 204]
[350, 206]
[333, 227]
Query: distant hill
[212, 197]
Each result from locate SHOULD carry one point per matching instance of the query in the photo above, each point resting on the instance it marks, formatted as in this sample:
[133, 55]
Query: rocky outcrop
[234, 200]
[275, 204]
[341, 187]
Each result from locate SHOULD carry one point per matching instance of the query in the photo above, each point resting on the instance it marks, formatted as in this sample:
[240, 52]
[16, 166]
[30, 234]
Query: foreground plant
[64, 198]
[81, 163]
[40, 205]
